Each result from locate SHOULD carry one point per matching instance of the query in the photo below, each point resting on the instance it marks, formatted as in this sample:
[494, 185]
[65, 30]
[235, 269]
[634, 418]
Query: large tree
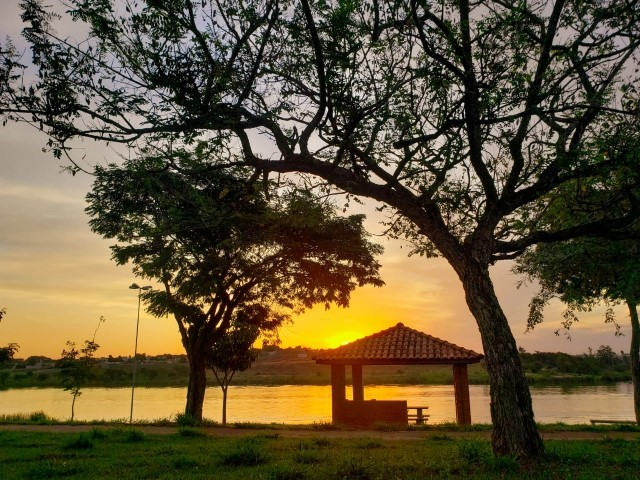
[459, 117]
[222, 248]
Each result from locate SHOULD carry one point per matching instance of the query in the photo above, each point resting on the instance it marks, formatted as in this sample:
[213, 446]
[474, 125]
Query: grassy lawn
[125, 453]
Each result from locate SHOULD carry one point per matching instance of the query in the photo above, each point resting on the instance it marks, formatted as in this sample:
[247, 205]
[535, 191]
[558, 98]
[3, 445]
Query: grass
[187, 427]
[124, 454]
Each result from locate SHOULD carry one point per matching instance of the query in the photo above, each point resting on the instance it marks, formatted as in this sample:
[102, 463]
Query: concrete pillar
[356, 379]
[461, 392]
[338, 391]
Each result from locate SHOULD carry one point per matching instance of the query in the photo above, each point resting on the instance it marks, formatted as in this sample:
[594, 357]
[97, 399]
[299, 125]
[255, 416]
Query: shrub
[97, 433]
[184, 420]
[81, 442]
[474, 451]
[247, 453]
[134, 435]
[39, 418]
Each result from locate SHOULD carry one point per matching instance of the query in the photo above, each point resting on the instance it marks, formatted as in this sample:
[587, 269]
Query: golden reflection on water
[296, 404]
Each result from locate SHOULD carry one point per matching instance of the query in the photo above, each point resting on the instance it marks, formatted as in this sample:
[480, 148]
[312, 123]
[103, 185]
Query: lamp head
[134, 286]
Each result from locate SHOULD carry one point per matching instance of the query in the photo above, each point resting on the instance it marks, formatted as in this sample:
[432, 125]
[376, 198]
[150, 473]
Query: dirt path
[300, 433]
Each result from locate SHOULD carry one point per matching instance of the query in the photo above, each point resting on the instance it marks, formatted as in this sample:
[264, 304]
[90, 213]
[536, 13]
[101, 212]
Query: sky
[57, 278]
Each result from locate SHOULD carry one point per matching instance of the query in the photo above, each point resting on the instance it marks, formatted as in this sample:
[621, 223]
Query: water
[298, 404]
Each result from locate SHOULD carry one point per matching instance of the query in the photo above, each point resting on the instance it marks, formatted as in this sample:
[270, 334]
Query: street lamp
[135, 286]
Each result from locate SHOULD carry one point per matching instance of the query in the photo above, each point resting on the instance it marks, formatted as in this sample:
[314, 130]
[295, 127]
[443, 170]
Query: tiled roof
[397, 345]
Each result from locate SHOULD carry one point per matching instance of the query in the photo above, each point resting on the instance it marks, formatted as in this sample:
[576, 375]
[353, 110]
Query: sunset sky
[57, 279]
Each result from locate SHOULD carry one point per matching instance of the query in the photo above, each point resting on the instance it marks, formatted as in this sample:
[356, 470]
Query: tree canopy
[460, 117]
[221, 247]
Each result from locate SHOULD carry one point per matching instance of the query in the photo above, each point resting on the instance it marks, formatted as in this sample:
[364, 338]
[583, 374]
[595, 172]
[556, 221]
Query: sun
[339, 339]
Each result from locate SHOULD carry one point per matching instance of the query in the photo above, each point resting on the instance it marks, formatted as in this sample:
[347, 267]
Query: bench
[614, 422]
[419, 417]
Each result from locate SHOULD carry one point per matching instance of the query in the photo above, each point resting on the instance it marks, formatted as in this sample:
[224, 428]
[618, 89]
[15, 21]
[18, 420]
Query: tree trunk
[514, 428]
[73, 405]
[224, 405]
[634, 356]
[197, 386]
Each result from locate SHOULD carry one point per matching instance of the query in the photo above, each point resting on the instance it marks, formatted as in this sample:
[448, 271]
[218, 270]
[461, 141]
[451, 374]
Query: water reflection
[297, 404]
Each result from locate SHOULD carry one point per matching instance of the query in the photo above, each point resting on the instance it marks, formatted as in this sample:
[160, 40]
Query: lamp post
[135, 286]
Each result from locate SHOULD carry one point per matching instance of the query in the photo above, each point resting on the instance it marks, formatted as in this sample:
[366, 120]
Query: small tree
[606, 355]
[7, 353]
[77, 366]
[233, 353]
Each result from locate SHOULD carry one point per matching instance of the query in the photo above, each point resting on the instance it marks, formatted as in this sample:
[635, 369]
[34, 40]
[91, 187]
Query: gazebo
[398, 345]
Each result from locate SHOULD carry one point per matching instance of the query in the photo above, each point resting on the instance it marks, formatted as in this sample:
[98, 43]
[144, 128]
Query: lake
[304, 404]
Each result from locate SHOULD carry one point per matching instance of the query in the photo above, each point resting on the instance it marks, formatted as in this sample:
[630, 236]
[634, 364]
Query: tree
[583, 273]
[458, 117]
[8, 352]
[220, 245]
[76, 366]
[234, 353]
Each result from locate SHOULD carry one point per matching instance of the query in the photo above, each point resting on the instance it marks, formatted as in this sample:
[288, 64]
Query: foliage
[460, 118]
[582, 273]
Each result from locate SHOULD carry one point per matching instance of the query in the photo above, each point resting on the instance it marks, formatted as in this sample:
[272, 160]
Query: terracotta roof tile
[398, 344]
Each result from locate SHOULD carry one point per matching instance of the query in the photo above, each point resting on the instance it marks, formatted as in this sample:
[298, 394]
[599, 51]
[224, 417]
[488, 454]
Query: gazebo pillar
[461, 392]
[338, 391]
[356, 380]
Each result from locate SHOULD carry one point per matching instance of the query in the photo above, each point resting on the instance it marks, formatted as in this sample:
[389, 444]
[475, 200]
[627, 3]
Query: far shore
[297, 371]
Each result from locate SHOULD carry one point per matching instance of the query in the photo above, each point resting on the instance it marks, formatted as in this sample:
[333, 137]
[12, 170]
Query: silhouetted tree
[234, 352]
[76, 366]
[220, 245]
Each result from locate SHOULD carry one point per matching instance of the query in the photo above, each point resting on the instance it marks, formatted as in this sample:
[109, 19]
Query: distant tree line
[594, 366]
[602, 364]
